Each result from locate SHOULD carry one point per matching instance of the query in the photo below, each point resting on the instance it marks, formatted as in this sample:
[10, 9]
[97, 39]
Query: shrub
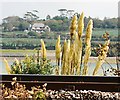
[30, 65]
[31, 33]
[19, 92]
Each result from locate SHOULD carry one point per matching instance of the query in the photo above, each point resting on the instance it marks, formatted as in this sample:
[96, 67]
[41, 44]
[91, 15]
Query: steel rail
[100, 83]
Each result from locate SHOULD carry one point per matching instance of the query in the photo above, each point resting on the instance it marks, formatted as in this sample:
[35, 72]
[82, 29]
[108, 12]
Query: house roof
[38, 25]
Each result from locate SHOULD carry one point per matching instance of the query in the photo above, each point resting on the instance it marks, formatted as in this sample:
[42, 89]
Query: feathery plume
[58, 50]
[88, 47]
[64, 59]
[68, 58]
[43, 49]
[80, 25]
[73, 27]
[78, 54]
[89, 32]
[7, 66]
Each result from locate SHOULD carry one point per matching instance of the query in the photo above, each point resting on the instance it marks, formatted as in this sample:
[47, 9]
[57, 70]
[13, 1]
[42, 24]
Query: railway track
[100, 83]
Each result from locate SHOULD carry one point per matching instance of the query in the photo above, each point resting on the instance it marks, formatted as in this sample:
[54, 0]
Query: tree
[12, 19]
[31, 16]
[118, 22]
[57, 25]
[11, 23]
[60, 18]
[48, 17]
[77, 14]
[14, 23]
[31, 33]
[86, 21]
[110, 22]
[70, 13]
[23, 26]
[63, 12]
[97, 23]
[8, 27]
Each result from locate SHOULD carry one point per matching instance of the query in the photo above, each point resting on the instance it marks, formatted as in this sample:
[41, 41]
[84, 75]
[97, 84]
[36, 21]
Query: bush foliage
[30, 65]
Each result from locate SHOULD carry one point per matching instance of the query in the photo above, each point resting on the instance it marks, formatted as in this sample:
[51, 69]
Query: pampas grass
[8, 69]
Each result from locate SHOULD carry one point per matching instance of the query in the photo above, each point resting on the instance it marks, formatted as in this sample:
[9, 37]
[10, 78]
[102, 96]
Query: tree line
[57, 23]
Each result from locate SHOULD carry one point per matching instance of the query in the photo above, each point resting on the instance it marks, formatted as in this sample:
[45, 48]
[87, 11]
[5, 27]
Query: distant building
[40, 28]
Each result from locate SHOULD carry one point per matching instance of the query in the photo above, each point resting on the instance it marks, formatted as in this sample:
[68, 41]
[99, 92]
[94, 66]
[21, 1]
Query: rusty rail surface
[100, 83]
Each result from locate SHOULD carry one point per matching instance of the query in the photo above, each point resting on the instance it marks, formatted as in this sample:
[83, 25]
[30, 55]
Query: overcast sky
[93, 8]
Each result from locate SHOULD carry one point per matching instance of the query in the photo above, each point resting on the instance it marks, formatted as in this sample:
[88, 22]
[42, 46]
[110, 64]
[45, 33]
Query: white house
[40, 27]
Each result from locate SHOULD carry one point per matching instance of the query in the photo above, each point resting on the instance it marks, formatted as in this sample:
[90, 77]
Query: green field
[99, 32]
[96, 31]
[15, 32]
[25, 42]
[50, 40]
